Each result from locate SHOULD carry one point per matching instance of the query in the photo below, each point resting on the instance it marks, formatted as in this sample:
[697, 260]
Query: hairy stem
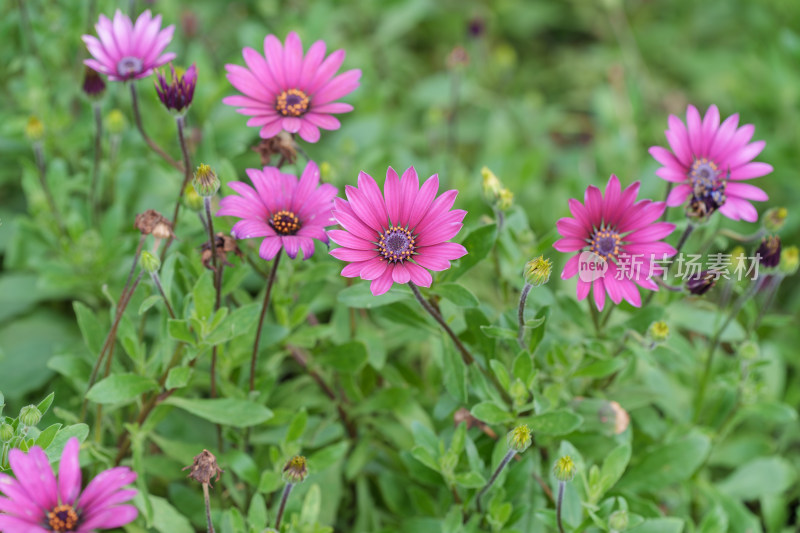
[207, 500]
[98, 136]
[157, 283]
[506, 459]
[282, 507]
[264, 306]
[523, 298]
[187, 168]
[137, 116]
[559, 505]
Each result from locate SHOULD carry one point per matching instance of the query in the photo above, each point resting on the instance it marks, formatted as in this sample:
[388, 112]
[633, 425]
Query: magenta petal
[382, 284]
[12, 524]
[571, 267]
[111, 518]
[400, 273]
[423, 201]
[599, 293]
[34, 473]
[409, 187]
[446, 250]
[678, 195]
[419, 276]
[269, 248]
[569, 245]
[569, 227]
[582, 289]
[374, 268]
[348, 240]
[353, 270]
[373, 197]
[291, 244]
[69, 472]
[103, 485]
[751, 170]
[348, 254]
[746, 191]
[393, 195]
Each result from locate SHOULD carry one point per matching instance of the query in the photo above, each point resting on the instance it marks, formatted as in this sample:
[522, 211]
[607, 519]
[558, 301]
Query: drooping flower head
[126, 51]
[38, 502]
[709, 161]
[176, 94]
[395, 240]
[287, 90]
[617, 243]
[288, 213]
[93, 84]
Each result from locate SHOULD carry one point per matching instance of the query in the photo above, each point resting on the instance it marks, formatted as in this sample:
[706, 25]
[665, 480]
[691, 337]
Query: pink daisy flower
[37, 502]
[289, 91]
[288, 213]
[619, 232]
[127, 51]
[396, 240]
[710, 161]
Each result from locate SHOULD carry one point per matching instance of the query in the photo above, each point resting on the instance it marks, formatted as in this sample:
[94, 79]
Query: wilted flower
[701, 283]
[153, 222]
[282, 144]
[564, 469]
[295, 470]
[395, 240]
[288, 213]
[537, 271]
[519, 439]
[93, 84]
[708, 161]
[224, 244]
[769, 251]
[38, 502]
[204, 468]
[125, 51]
[176, 95]
[205, 181]
[286, 90]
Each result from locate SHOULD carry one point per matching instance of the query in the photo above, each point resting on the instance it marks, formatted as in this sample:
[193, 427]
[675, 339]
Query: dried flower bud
[790, 259]
[116, 122]
[564, 469]
[205, 181]
[618, 521]
[769, 251]
[295, 470]
[621, 417]
[204, 468]
[177, 94]
[34, 129]
[30, 415]
[153, 222]
[658, 331]
[151, 263]
[537, 271]
[93, 84]
[282, 145]
[191, 199]
[701, 283]
[519, 439]
[774, 218]
[6, 432]
[224, 245]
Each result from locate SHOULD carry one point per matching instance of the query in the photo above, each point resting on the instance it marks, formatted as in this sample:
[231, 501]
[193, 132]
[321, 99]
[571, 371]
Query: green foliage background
[556, 95]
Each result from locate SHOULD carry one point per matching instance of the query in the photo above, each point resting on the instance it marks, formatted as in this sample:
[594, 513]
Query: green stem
[137, 116]
[264, 306]
[187, 169]
[98, 148]
[157, 283]
[523, 298]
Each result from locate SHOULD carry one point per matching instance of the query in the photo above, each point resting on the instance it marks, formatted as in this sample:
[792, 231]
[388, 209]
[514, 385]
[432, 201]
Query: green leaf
[658, 525]
[45, 404]
[179, 330]
[455, 373]
[458, 294]
[760, 477]
[166, 519]
[667, 464]
[499, 333]
[224, 411]
[47, 436]
[479, 242]
[297, 426]
[204, 297]
[120, 388]
[600, 368]
[554, 423]
[257, 512]
[491, 413]
[178, 377]
[79, 431]
[613, 467]
[470, 480]
[349, 357]
[91, 329]
[239, 322]
[312, 503]
[149, 302]
[360, 296]
[270, 481]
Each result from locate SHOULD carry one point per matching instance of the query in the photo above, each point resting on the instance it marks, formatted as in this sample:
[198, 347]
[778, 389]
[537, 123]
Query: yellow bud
[519, 439]
[564, 469]
[116, 121]
[295, 470]
[491, 185]
[205, 181]
[537, 271]
[505, 199]
[34, 129]
[790, 259]
[658, 331]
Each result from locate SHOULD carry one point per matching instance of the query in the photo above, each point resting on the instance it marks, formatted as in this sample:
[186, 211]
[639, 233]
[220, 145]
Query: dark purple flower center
[285, 222]
[708, 188]
[63, 518]
[605, 243]
[177, 93]
[129, 66]
[292, 103]
[396, 244]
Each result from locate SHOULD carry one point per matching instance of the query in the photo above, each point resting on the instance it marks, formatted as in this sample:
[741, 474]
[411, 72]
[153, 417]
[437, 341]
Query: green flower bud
[150, 262]
[205, 181]
[6, 432]
[618, 521]
[116, 122]
[537, 271]
[564, 469]
[790, 260]
[191, 199]
[491, 185]
[30, 415]
[774, 218]
[749, 351]
[658, 331]
[519, 439]
[34, 129]
[504, 199]
[295, 470]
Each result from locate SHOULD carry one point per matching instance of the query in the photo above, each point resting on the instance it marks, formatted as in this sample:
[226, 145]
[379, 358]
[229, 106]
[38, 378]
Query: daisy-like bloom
[37, 502]
[176, 94]
[396, 240]
[289, 213]
[286, 90]
[619, 232]
[127, 51]
[709, 161]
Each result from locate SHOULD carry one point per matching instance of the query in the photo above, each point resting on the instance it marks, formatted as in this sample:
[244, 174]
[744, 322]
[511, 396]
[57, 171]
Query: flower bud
[774, 218]
[504, 199]
[491, 185]
[658, 331]
[537, 271]
[519, 439]
[564, 469]
[701, 283]
[770, 251]
[205, 181]
[93, 84]
[618, 521]
[790, 259]
[176, 94]
[151, 263]
[295, 470]
[116, 122]
[749, 351]
[325, 171]
[34, 129]
[30, 415]
[6, 432]
[191, 199]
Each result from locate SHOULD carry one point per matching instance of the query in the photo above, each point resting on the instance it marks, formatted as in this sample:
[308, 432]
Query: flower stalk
[140, 126]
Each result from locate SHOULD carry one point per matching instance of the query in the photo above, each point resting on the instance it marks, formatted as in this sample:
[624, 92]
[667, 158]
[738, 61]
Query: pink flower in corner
[126, 51]
[288, 213]
[286, 90]
[619, 232]
[37, 502]
[395, 240]
[709, 161]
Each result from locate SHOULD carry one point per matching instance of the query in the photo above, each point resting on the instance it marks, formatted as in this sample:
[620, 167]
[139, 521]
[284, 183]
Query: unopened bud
[564, 469]
[790, 260]
[116, 122]
[205, 181]
[658, 331]
[6, 432]
[537, 271]
[749, 351]
[34, 129]
[770, 251]
[325, 171]
[30, 415]
[519, 439]
[93, 84]
[618, 521]
[774, 218]
[295, 470]
[151, 263]
[204, 467]
[505, 199]
[191, 199]
[491, 185]
[701, 283]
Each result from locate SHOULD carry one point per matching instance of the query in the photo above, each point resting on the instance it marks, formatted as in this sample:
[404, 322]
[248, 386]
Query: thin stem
[595, 316]
[214, 349]
[684, 237]
[509, 455]
[157, 283]
[264, 307]
[559, 505]
[38, 153]
[208, 508]
[187, 168]
[741, 238]
[284, 499]
[666, 195]
[523, 298]
[138, 118]
[210, 227]
[701, 392]
[98, 136]
[771, 290]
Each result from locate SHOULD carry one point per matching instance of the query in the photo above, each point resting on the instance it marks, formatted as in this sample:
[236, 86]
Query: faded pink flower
[126, 51]
[396, 240]
[620, 233]
[709, 161]
[288, 213]
[287, 90]
[37, 502]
